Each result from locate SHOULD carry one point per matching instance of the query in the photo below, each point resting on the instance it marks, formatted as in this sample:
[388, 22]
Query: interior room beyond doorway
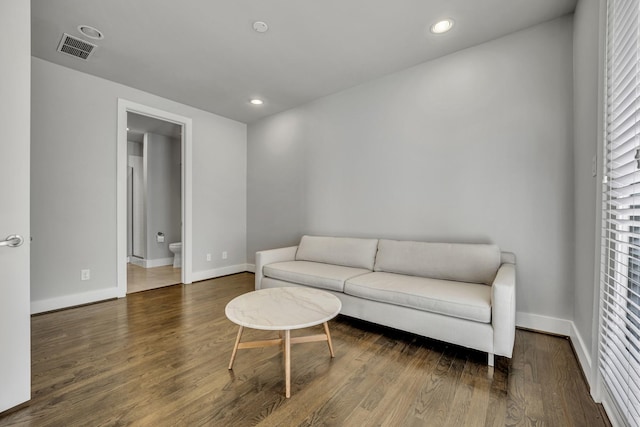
[154, 200]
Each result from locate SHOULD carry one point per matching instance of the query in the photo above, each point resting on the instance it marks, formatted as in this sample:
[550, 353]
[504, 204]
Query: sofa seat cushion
[314, 274]
[470, 301]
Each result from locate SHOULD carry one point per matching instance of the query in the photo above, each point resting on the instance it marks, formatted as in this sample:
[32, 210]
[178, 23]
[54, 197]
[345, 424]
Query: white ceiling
[204, 53]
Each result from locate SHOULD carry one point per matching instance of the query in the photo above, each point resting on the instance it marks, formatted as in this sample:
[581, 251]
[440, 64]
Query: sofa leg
[490, 359]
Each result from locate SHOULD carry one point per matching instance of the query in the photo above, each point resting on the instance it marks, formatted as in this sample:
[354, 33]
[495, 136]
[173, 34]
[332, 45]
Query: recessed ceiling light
[256, 101]
[442, 26]
[260, 27]
[92, 33]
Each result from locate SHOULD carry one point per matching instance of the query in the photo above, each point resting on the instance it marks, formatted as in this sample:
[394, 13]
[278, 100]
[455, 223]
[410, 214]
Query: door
[15, 82]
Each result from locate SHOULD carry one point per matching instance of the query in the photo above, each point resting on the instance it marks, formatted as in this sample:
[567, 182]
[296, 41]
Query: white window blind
[619, 353]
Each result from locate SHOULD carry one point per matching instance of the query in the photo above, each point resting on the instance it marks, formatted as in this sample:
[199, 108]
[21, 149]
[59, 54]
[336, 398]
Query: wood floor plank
[533, 411]
[498, 396]
[390, 402]
[143, 279]
[433, 401]
[516, 399]
[383, 366]
[572, 390]
[160, 358]
[461, 399]
[472, 394]
[339, 383]
[552, 401]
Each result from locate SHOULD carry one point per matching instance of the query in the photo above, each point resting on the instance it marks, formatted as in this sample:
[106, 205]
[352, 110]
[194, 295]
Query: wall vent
[76, 47]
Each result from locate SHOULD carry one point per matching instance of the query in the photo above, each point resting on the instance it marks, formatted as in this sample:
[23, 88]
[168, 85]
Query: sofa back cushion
[473, 263]
[347, 251]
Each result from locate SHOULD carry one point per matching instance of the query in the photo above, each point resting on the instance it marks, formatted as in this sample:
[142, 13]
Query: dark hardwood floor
[159, 358]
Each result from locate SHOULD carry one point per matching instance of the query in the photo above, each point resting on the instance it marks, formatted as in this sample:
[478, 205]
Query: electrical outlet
[85, 274]
[208, 257]
[224, 255]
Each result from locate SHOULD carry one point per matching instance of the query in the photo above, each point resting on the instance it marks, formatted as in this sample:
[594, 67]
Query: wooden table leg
[326, 331]
[235, 347]
[287, 363]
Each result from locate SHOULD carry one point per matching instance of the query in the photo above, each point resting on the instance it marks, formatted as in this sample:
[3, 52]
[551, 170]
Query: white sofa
[459, 293]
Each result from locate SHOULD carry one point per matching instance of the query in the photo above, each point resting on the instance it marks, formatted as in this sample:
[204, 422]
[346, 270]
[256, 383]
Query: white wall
[73, 190]
[162, 159]
[475, 147]
[587, 144]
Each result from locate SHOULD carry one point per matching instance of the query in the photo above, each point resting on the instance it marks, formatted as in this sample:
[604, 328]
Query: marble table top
[279, 309]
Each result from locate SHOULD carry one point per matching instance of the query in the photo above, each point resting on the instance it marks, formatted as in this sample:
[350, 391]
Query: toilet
[176, 248]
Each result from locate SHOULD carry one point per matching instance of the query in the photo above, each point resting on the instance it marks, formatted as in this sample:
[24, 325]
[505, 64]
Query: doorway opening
[154, 198]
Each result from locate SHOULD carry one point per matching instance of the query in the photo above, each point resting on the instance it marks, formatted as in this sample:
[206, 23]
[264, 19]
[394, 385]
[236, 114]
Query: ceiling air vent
[76, 47]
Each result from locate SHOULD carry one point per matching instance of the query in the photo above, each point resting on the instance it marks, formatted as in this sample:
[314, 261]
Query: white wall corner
[196, 276]
[67, 301]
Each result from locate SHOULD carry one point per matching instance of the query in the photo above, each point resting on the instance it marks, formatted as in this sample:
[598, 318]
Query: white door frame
[124, 107]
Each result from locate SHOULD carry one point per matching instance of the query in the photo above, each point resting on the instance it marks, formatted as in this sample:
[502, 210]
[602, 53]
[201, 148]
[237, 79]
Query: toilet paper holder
[160, 237]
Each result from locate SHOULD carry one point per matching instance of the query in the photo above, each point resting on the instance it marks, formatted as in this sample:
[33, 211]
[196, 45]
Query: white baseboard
[151, 263]
[251, 268]
[537, 322]
[196, 276]
[66, 301]
[159, 262]
[583, 353]
[136, 261]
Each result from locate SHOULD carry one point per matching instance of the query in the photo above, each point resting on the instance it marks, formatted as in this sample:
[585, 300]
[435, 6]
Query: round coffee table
[283, 309]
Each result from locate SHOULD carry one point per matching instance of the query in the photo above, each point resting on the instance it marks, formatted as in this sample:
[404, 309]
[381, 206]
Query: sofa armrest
[503, 310]
[269, 257]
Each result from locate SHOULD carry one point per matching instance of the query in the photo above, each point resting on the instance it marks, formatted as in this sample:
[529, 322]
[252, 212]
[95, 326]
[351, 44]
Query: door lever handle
[12, 241]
